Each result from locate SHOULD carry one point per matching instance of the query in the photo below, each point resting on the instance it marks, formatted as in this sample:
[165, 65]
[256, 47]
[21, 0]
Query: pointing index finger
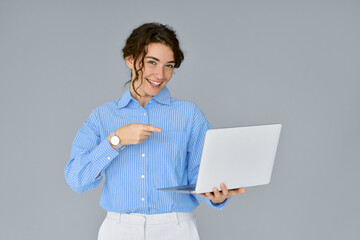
[152, 128]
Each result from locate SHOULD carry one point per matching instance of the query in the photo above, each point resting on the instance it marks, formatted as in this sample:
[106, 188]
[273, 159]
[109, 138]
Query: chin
[154, 93]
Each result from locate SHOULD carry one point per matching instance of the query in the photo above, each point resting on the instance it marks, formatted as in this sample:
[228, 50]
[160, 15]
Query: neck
[141, 99]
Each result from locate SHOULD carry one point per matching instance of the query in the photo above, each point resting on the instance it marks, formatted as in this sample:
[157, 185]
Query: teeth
[154, 83]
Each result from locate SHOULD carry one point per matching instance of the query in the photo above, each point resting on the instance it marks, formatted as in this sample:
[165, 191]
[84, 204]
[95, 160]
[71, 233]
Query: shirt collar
[124, 100]
[163, 97]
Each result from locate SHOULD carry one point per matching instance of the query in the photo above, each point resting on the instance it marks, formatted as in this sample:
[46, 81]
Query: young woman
[143, 141]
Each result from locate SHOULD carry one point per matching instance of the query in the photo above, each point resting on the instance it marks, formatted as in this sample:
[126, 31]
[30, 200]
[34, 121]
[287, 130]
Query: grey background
[246, 62]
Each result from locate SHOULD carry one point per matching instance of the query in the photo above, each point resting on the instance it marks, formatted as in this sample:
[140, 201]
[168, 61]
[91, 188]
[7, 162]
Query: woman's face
[157, 71]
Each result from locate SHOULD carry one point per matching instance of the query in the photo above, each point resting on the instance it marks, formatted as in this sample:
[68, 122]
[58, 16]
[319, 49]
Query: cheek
[147, 72]
[169, 75]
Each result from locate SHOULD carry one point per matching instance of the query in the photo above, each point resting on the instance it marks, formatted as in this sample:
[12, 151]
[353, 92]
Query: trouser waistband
[137, 218]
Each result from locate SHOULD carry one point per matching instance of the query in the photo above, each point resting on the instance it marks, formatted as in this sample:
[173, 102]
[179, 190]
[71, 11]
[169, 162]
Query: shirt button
[143, 155]
[149, 101]
[144, 114]
[142, 176]
[108, 158]
[143, 199]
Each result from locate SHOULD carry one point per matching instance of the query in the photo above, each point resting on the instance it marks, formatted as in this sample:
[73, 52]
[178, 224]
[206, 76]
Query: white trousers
[134, 226]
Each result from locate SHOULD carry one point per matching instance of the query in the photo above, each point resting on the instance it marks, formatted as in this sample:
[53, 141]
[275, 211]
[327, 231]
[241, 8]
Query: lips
[153, 83]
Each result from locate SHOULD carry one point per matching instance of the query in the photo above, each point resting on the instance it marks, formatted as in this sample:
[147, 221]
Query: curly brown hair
[141, 37]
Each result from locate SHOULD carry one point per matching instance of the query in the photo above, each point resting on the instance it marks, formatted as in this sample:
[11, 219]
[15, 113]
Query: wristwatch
[115, 140]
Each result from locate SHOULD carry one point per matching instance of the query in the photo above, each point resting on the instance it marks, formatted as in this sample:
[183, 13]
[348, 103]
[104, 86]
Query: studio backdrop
[246, 63]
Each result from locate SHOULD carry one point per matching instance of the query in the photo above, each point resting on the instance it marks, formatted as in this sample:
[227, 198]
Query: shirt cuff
[219, 205]
[103, 154]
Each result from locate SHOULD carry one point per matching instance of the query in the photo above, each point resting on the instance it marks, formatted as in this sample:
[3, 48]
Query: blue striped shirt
[165, 159]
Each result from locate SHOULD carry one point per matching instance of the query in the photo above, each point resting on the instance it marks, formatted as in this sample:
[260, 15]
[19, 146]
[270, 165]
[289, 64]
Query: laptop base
[181, 189]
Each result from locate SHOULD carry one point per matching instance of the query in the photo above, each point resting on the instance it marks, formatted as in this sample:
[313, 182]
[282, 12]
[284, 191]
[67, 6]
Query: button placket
[142, 174]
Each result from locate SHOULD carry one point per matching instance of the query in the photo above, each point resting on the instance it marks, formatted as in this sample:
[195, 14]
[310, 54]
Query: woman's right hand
[134, 133]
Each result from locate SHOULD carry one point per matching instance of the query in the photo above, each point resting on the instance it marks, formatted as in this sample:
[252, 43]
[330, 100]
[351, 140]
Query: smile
[155, 84]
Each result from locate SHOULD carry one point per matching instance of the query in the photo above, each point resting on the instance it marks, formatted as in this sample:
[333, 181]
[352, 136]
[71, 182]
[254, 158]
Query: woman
[143, 141]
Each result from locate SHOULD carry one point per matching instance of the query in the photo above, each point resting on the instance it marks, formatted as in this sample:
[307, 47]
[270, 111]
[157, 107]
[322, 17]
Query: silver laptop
[239, 157]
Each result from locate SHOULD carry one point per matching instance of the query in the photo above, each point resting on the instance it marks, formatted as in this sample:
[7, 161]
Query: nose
[159, 72]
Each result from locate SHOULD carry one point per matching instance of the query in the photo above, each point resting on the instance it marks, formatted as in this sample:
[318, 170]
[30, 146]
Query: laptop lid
[238, 157]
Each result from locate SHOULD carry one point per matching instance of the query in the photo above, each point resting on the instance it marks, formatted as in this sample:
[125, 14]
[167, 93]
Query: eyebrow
[156, 59]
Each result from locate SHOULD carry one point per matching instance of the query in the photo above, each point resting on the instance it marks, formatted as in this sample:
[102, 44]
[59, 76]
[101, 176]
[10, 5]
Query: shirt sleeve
[90, 155]
[196, 142]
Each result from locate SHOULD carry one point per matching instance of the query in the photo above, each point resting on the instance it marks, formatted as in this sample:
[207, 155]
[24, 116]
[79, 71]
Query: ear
[129, 61]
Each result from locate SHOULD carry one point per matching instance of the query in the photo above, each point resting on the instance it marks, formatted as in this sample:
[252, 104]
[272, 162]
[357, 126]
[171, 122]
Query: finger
[209, 195]
[141, 139]
[216, 192]
[147, 133]
[231, 193]
[152, 128]
[201, 194]
[241, 190]
[237, 191]
[224, 189]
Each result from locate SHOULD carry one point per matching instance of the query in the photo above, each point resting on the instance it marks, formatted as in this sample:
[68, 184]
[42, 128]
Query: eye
[170, 66]
[152, 62]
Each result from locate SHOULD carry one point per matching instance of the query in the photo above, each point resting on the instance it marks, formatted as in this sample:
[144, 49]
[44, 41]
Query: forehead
[160, 51]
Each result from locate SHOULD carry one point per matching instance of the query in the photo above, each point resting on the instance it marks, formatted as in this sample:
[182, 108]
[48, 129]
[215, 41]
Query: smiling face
[156, 73]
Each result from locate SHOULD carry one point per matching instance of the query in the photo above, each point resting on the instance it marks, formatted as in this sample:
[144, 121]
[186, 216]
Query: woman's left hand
[219, 197]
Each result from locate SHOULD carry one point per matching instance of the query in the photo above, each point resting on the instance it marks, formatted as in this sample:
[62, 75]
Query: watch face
[115, 140]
